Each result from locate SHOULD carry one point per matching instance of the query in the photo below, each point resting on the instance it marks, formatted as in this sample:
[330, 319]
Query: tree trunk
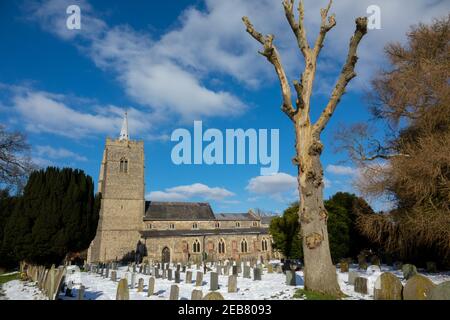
[319, 272]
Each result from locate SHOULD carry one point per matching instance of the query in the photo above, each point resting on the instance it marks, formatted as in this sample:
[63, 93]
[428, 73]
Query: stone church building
[171, 231]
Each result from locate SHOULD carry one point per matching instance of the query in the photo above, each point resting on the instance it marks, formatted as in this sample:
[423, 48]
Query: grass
[9, 277]
[312, 295]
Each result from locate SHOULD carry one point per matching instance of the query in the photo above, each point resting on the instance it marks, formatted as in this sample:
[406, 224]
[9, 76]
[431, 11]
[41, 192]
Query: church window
[123, 165]
[264, 245]
[149, 226]
[244, 245]
[221, 246]
[171, 226]
[196, 246]
[255, 223]
[217, 225]
[194, 225]
[238, 224]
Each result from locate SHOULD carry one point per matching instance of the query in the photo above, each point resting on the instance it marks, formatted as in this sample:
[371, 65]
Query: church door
[165, 255]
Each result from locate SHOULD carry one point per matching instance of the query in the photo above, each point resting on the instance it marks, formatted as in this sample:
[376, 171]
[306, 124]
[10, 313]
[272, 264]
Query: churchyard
[227, 280]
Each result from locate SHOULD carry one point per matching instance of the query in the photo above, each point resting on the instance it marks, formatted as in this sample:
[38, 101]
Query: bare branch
[324, 28]
[297, 27]
[347, 73]
[271, 53]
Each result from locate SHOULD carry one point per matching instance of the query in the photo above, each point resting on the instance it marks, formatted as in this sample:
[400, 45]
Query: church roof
[155, 210]
[236, 216]
[202, 232]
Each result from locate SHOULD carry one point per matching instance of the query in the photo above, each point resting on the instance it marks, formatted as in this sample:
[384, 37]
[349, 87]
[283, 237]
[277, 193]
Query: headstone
[189, 277]
[134, 268]
[107, 272]
[169, 274]
[344, 266]
[140, 285]
[80, 294]
[178, 267]
[133, 281]
[157, 274]
[290, 278]
[177, 276]
[417, 287]
[114, 275]
[219, 270]
[361, 285]
[246, 272]
[352, 275]
[409, 270]
[214, 281]
[387, 287]
[235, 270]
[151, 286]
[232, 283]
[196, 294]
[270, 268]
[122, 290]
[226, 270]
[440, 292]
[213, 296]
[183, 269]
[164, 273]
[256, 274]
[140, 268]
[174, 292]
[279, 268]
[373, 269]
[431, 267]
[199, 279]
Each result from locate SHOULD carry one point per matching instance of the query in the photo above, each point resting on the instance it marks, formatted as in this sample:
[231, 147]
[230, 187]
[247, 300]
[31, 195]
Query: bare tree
[320, 274]
[15, 163]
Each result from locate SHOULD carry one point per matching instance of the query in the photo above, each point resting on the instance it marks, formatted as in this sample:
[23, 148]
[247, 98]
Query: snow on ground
[272, 286]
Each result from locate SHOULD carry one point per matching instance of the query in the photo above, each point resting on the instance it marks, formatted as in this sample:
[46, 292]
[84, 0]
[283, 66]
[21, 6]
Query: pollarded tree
[320, 274]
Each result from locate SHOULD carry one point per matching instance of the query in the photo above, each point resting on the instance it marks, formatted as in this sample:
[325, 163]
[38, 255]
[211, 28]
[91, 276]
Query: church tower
[121, 183]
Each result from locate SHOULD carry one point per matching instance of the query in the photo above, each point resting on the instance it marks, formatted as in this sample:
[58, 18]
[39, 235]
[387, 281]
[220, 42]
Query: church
[171, 231]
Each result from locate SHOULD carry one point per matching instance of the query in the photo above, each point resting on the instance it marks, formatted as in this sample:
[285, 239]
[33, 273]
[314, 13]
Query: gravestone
[214, 281]
[114, 275]
[344, 266]
[372, 270]
[279, 268]
[219, 270]
[440, 292]
[239, 267]
[133, 281]
[177, 276]
[199, 279]
[290, 278]
[387, 287]
[235, 270]
[189, 277]
[232, 283]
[183, 269]
[122, 290]
[361, 285]
[134, 268]
[256, 274]
[196, 294]
[213, 296]
[246, 272]
[409, 270]
[169, 274]
[80, 293]
[174, 292]
[151, 286]
[140, 285]
[352, 275]
[107, 272]
[178, 267]
[226, 270]
[431, 267]
[270, 268]
[417, 287]
[157, 274]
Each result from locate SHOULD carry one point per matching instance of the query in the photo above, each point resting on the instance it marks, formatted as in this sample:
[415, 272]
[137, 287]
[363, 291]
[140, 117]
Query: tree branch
[297, 27]
[324, 28]
[347, 73]
[271, 53]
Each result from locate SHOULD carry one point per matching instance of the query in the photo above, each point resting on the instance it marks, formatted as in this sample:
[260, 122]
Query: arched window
[195, 225]
[221, 246]
[123, 165]
[238, 224]
[171, 226]
[217, 225]
[196, 246]
[264, 245]
[243, 245]
[255, 223]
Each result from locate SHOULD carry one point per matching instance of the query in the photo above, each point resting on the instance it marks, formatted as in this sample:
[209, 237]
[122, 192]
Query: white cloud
[186, 192]
[276, 183]
[342, 170]
[58, 153]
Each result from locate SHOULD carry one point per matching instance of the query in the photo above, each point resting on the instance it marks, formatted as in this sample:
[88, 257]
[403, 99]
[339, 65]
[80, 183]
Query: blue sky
[170, 63]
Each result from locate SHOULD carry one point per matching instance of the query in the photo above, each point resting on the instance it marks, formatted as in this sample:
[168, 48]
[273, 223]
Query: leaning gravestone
[352, 275]
[199, 279]
[417, 287]
[196, 294]
[122, 290]
[387, 287]
[257, 274]
[440, 292]
[409, 270]
[151, 286]
[174, 292]
[214, 281]
[290, 278]
[213, 296]
[140, 285]
[189, 277]
[361, 285]
[232, 283]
